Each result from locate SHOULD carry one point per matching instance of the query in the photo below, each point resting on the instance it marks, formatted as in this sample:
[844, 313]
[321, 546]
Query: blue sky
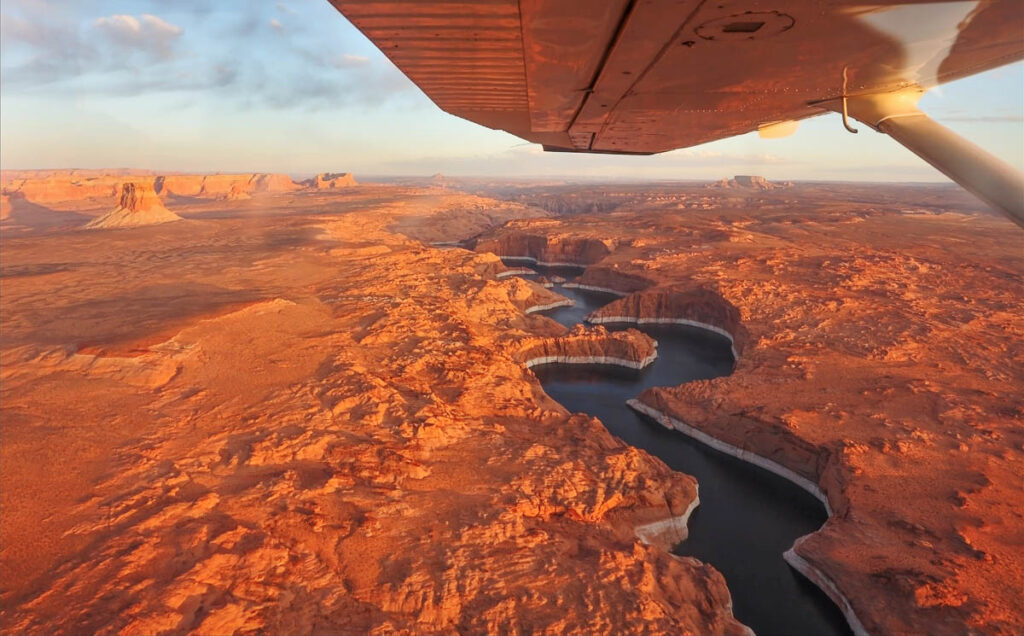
[292, 87]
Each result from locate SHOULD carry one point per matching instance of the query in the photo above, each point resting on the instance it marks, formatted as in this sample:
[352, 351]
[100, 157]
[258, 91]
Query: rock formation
[223, 186]
[880, 375]
[138, 205]
[749, 182]
[696, 307]
[58, 187]
[544, 248]
[222, 433]
[237, 192]
[591, 345]
[332, 181]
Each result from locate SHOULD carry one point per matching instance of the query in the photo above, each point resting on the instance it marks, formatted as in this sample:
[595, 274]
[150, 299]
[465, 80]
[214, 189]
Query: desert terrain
[295, 408]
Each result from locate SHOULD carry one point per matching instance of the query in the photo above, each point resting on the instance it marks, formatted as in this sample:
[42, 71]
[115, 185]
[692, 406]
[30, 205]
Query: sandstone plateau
[137, 206]
[306, 421]
[293, 415]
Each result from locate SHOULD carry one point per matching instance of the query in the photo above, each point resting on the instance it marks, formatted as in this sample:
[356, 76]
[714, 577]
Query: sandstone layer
[137, 206]
[630, 348]
[883, 368]
[545, 248]
[696, 307]
[223, 185]
[304, 421]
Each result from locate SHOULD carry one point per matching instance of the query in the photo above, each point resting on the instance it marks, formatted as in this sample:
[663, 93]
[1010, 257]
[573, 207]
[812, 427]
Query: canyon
[291, 413]
[879, 372]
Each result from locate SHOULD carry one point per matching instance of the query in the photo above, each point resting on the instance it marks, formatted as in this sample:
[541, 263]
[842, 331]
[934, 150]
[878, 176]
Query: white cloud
[147, 33]
[347, 60]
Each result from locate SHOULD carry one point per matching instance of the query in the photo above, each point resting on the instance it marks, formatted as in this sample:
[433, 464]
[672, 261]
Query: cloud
[60, 49]
[284, 8]
[147, 33]
[347, 60]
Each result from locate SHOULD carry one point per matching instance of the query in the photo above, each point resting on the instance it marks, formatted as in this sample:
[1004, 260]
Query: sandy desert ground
[287, 412]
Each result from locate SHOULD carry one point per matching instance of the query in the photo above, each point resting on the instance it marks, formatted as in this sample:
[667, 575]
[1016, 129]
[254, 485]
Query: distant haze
[292, 87]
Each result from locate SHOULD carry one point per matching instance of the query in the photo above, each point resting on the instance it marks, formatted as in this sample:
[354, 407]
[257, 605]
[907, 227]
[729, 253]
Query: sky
[199, 86]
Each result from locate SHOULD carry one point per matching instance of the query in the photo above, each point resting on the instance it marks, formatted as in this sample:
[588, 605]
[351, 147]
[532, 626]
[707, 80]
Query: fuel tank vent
[746, 26]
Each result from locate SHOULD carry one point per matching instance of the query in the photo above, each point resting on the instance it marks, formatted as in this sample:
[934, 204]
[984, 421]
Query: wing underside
[646, 76]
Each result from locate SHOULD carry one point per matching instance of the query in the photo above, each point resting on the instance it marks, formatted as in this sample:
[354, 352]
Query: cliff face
[882, 374]
[223, 186]
[75, 185]
[694, 306]
[137, 206]
[517, 239]
[595, 345]
[52, 189]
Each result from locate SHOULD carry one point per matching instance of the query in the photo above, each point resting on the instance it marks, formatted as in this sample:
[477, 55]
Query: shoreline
[604, 360]
[629, 320]
[518, 271]
[568, 302]
[530, 259]
[606, 290]
[797, 562]
[650, 532]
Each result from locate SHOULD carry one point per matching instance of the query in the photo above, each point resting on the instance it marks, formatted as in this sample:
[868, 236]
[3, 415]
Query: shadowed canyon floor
[286, 413]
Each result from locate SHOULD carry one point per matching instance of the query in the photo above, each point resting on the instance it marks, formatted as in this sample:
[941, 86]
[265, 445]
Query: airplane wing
[647, 76]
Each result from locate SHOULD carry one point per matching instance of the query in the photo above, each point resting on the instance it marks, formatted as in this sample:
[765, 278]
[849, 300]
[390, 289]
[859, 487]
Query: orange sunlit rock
[881, 359]
[137, 205]
[332, 180]
[308, 420]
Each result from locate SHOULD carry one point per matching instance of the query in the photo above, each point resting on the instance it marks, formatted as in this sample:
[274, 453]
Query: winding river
[747, 516]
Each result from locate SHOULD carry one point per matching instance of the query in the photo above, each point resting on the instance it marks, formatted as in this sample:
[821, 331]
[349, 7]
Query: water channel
[747, 517]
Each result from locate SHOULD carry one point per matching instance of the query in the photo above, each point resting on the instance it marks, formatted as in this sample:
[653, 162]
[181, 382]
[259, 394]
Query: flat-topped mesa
[139, 205]
[54, 189]
[595, 345]
[332, 181]
[750, 182]
[695, 307]
[223, 186]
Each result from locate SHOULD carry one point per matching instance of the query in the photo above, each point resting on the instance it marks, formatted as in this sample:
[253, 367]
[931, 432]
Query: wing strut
[987, 177]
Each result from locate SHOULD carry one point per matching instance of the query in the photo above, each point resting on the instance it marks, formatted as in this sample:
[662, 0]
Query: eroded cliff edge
[330, 431]
[882, 376]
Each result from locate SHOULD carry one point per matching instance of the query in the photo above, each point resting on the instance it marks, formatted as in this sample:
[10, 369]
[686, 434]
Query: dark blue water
[747, 517]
